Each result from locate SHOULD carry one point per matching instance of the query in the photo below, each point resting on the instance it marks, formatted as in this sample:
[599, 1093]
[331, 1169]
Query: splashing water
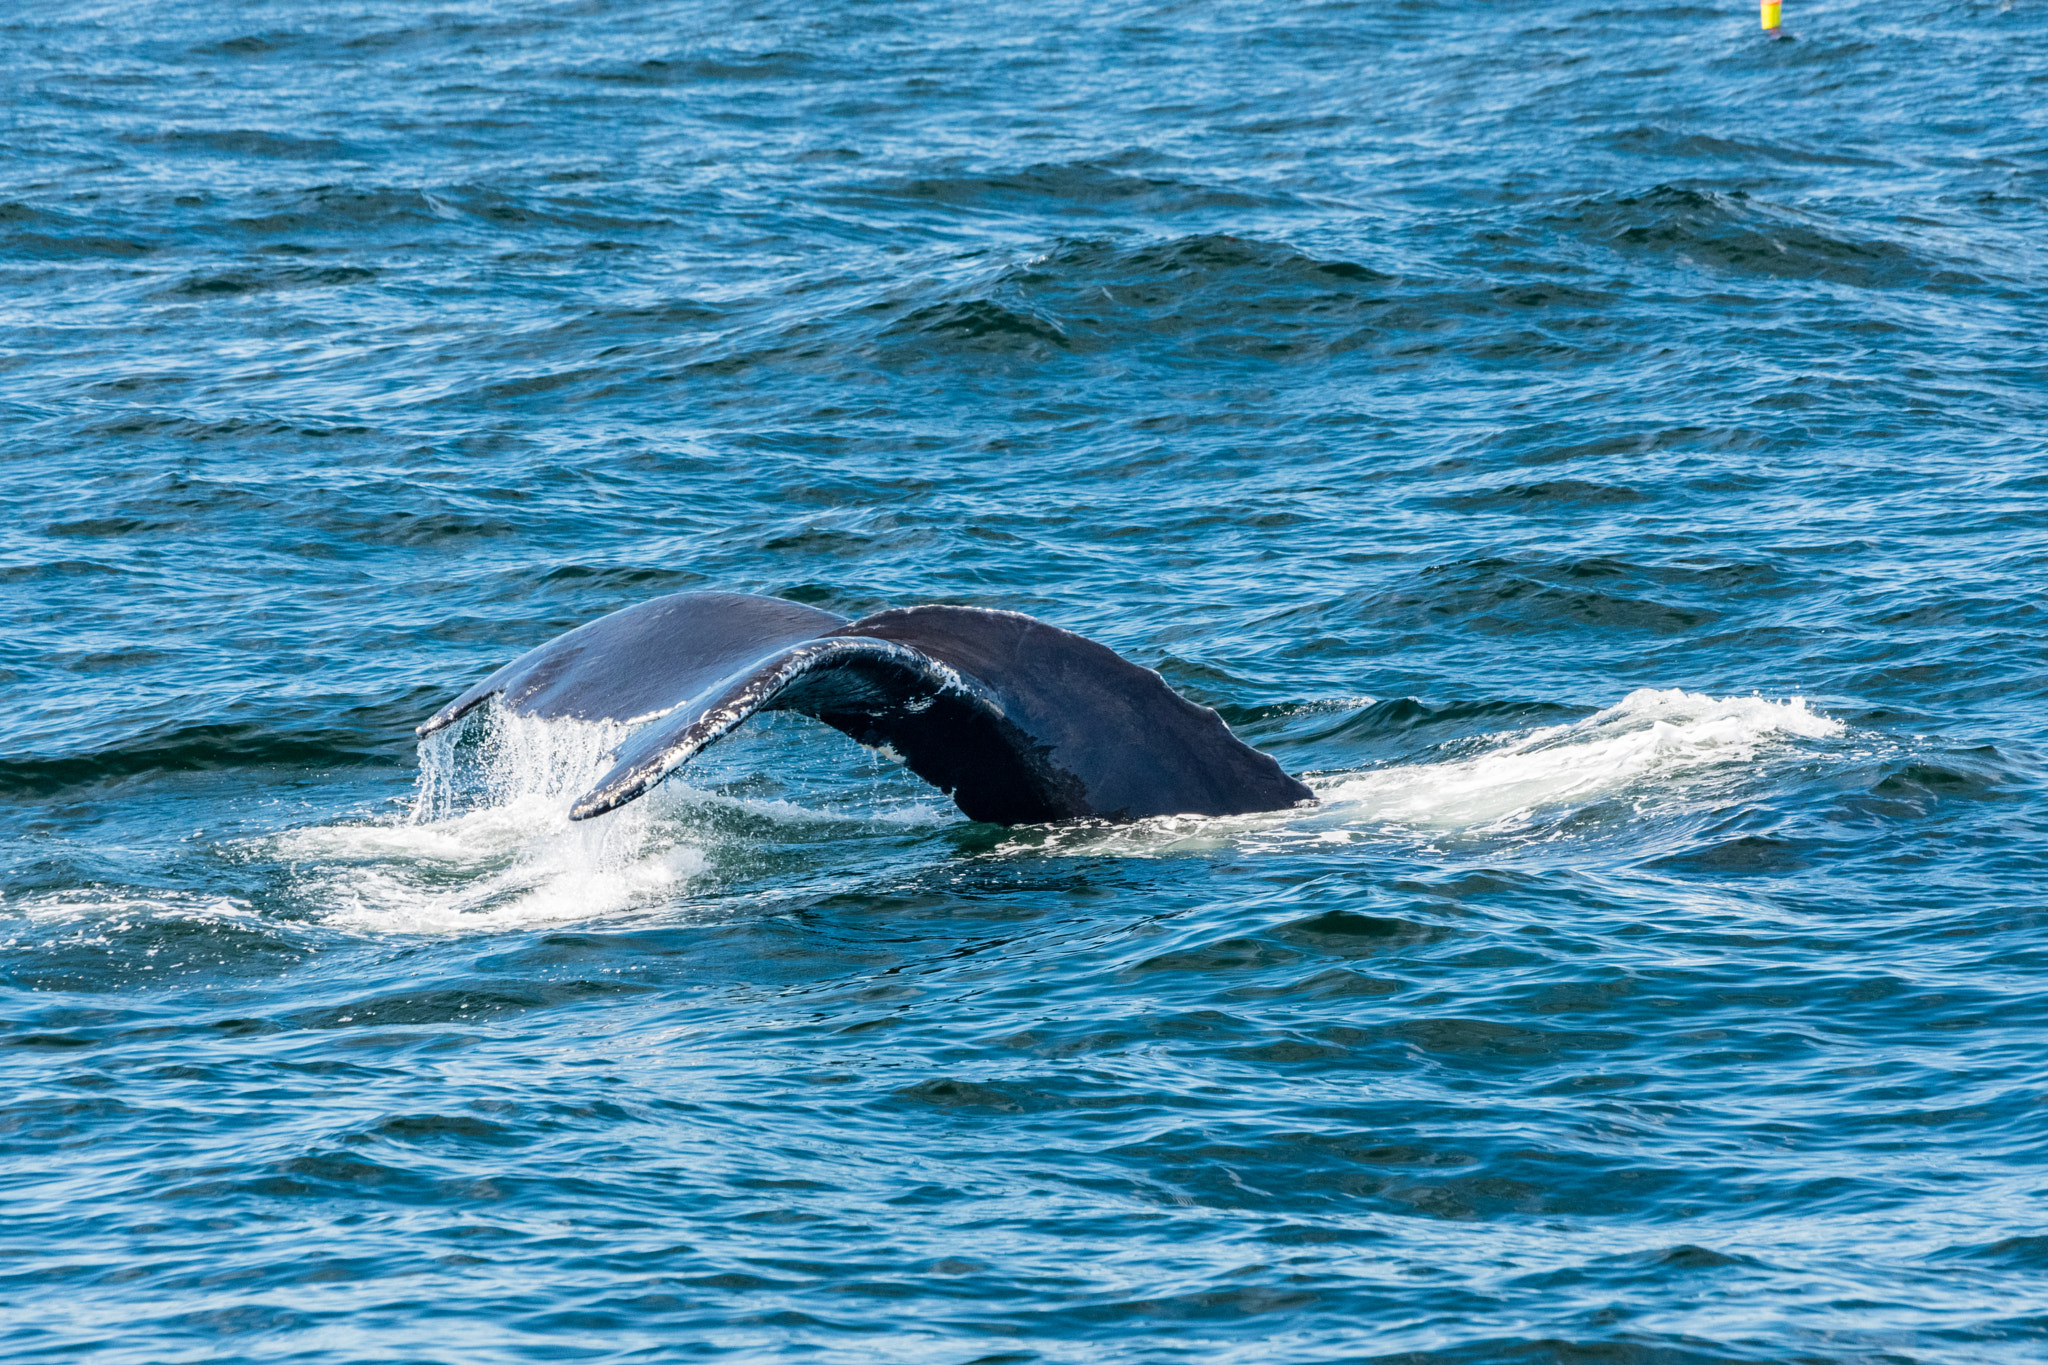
[487, 842]
[434, 789]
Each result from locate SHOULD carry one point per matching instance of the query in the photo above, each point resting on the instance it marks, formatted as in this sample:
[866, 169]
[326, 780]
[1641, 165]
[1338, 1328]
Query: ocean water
[1603, 450]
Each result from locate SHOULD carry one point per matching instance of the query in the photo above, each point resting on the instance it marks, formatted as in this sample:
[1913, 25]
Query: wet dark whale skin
[1019, 721]
[642, 660]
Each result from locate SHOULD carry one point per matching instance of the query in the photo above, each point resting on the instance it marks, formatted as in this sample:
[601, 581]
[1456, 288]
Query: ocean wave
[191, 748]
[1732, 232]
[1075, 188]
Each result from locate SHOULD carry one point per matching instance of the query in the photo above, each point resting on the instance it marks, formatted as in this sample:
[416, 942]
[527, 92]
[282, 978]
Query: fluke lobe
[1018, 721]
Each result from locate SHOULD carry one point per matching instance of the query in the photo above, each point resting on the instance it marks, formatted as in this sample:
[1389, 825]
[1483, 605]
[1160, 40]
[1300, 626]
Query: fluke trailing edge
[1018, 721]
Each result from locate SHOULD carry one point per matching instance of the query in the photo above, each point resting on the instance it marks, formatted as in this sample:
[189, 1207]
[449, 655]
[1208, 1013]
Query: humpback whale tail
[1018, 721]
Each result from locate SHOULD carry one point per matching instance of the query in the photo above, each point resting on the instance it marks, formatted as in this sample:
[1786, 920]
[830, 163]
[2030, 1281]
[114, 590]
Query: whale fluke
[643, 661]
[1018, 721]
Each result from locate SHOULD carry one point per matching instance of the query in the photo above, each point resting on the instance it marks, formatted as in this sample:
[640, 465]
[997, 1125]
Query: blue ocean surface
[1602, 449]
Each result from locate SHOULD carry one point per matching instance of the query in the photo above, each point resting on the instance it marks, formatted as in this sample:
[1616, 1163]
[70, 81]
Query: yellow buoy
[1770, 15]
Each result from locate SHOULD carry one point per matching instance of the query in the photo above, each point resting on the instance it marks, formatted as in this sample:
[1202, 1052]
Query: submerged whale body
[1018, 721]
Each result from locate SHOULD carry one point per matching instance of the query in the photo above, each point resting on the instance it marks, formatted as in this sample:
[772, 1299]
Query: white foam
[111, 911]
[1650, 746]
[488, 844]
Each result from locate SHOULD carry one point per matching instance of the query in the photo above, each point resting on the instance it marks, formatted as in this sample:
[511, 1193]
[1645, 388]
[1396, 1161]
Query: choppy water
[1602, 449]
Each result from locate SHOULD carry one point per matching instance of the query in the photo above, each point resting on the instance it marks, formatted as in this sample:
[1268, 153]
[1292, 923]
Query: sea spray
[433, 790]
[488, 843]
